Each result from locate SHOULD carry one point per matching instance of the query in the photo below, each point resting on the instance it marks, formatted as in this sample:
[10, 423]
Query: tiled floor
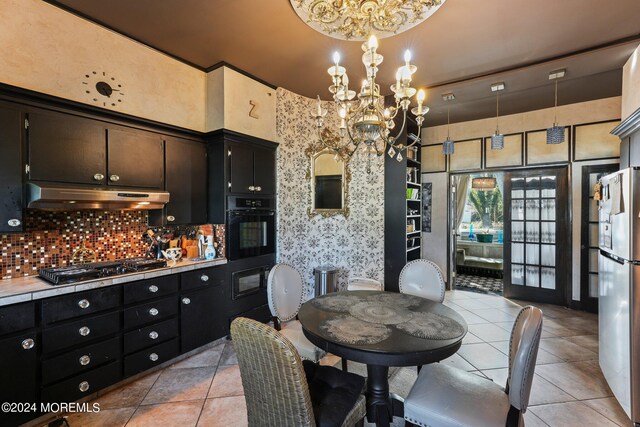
[568, 388]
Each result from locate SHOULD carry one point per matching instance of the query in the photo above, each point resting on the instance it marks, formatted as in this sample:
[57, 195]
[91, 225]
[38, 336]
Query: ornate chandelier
[357, 19]
[364, 120]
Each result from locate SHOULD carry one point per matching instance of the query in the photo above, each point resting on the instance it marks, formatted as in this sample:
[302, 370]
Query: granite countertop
[33, 288]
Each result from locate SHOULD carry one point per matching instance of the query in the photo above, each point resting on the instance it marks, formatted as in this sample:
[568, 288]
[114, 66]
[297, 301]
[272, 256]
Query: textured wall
[631, 85]
[48, 50]
[354, 244]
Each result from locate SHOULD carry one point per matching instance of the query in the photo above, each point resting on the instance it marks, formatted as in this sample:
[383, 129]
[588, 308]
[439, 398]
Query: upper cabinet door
[136, 159]
[11, 168]
[186, 174]
[241, 168]
[264, 171]
[66, 148]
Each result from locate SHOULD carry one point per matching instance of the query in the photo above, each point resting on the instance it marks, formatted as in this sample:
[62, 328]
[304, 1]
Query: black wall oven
[251, 227]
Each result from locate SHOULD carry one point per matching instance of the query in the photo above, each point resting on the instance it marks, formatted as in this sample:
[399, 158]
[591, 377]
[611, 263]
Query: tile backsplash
[51, 237]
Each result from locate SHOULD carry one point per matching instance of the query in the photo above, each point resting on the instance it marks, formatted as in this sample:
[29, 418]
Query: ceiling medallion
[358, 19]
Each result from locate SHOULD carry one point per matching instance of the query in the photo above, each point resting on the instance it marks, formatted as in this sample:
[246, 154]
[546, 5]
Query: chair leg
[418, 368]
[345, 368]
[359, 423]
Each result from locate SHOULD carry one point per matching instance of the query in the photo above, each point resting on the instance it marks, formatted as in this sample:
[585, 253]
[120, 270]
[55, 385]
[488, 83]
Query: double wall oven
[251, 244]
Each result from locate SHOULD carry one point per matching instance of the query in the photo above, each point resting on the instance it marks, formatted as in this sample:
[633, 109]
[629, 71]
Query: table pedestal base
[382, 406]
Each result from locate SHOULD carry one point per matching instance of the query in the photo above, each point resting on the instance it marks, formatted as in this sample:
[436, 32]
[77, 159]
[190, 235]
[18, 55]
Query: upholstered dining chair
[282, 390]
[285, 291]
[422, 278]
[364, 284]
[444, 396]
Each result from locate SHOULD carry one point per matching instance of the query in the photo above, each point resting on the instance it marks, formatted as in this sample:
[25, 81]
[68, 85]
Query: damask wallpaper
[355, 244]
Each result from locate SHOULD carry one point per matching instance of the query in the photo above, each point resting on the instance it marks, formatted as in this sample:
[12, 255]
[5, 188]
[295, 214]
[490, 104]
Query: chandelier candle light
[364, 120]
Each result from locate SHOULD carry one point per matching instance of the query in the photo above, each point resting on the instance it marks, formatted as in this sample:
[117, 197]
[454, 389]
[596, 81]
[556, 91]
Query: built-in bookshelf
[403, 210]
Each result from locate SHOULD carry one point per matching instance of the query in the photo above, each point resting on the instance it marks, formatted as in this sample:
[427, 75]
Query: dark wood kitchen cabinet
[66, 148]
[12, 130]
[251, 169]
[186, 182]
[136, 158]
[19, 346]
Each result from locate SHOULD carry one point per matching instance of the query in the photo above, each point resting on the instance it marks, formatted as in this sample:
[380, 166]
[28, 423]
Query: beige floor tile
[459, 295]
[507, 326]
[513, 310]
[470, 318]
[571, 414]
[489, 332]
[543, 358]
[586, 324]
[209, 357]
[471, 304]
[587, 341]
[229, 356]
[498, 302]
[175, 385]
[494, 315]
[483, 356]
[458, 362]
[224, 411]
[542, 391]
[566, 350]
[610, 408]
[582, 380]
[104, 418]
[129, 395]
[531, 420]
[557, 328]
[183, 414]
[227, 382]
[470, 339]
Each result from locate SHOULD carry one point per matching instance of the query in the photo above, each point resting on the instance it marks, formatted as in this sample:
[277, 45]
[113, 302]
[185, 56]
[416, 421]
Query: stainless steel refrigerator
[619, 287]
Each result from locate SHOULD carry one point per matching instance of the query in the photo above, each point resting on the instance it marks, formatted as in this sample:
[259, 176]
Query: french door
[537, 252]
[589, 235]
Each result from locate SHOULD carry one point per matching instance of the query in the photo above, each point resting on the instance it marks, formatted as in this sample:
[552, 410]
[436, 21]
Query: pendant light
[448, 145]
[497, 139]
[555, 134]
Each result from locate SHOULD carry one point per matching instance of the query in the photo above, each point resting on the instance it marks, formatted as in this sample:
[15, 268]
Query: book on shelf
[413, 194]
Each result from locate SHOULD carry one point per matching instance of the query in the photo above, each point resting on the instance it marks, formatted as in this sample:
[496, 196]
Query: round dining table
[382, 329]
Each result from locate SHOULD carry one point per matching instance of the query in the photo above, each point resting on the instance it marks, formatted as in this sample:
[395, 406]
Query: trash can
[326, 278]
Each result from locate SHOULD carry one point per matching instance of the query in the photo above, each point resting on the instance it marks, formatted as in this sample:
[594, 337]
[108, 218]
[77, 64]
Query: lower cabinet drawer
[149, 289]
[150, 335]
[17, 317]
[146, 359]
[83, 384]
[80, 360]
[150, 312]
[80, 303]
[81, 331]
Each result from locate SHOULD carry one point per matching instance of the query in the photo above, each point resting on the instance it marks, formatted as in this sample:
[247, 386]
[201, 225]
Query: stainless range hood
[61, 197]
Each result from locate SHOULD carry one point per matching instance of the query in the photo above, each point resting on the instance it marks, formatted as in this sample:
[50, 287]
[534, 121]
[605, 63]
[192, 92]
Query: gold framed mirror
[328, 177]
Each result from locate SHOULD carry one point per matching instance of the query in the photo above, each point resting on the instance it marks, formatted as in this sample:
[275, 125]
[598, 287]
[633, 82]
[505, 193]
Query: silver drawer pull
[84, 303]
[186, 301]
[114, 178]
[85, 360]
[153, 288]
[153, 335]
[84, 331]
[258, 188]
[153, 357]
[28, 344]
[171, 218]
[98, 177]
[153, 311]
[83, 386]
[252, 188]
[204, 278]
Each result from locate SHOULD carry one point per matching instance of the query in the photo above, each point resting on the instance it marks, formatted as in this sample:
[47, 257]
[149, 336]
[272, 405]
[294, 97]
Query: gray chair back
[285, 291]
[275, 386]
[523, 351]
[422, 278]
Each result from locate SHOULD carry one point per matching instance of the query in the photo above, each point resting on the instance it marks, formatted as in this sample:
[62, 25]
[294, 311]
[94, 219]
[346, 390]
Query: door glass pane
[533, 232]
[548, 232]
[517, 274]
[533, 187]
[517, 253]
[548, 210]
[548, 255]
[517, 188]
[533, 254]
[593, 285]
[517, 231]
[548, 279]
[517, 210]
[548, 186]
[593, 260]
[593, 235]
[593, 210]
[533, 210]
[532, 277]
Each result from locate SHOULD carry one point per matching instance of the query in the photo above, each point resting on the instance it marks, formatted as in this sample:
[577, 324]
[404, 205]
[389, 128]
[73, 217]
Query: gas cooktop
[95, 270]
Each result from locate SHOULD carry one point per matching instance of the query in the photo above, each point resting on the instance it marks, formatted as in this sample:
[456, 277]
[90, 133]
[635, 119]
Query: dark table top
[382, 328]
